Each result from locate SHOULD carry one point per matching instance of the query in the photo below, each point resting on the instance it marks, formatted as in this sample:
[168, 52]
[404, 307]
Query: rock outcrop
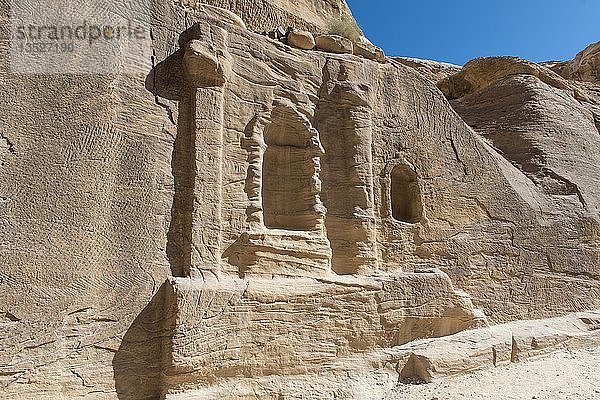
[240, 218]
[364, 48]
[543, 130]
[264, 15]
[334, 44]
[432, 70]
[423, 361]
[301, 39]
[482, 72]
[585, 67]
[546, 127]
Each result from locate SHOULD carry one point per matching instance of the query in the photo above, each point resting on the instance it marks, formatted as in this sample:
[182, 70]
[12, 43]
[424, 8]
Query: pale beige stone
[301, 324]
[250, 220]
[549, 139]
[564, 374]
[426, 360]
[369, 51]
[433, 70]
[584, 67]
[222, 13]
[301, 39]
[265, 15]
[203, 66]
[481, 72]
[334, 44]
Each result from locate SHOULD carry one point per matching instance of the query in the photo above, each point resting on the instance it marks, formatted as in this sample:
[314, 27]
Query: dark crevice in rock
[154, 80]
[455, 150]
[570, 187]
[406, 202]
[8, 144]
[35, 346]
[9, 316]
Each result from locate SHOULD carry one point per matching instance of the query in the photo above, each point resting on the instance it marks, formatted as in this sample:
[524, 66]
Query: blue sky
[459, 30]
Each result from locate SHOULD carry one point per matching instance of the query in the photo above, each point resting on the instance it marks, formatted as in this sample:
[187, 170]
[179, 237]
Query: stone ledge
[423, 361]
[225, 327]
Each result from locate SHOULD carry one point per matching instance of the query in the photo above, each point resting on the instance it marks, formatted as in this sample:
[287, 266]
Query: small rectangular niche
[405, 195]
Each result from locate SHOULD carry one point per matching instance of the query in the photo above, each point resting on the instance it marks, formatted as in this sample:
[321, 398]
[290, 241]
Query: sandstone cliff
[243, 219]
[584, 67]
[264, 15]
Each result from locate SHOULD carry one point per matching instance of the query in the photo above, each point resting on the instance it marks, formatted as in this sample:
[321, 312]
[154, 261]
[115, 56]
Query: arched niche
[402, 200]
[288, 189]
[283, 184]
[405, 195]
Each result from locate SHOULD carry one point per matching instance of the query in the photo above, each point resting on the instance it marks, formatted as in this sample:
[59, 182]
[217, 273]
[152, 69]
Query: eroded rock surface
[301, 39]
[585, 67]
[427, 360]
[334, 44]
[245, 214]
[369, 198]
[542, 128]
[264, 15]
[432, 70]
[479, 73]
[546, 126]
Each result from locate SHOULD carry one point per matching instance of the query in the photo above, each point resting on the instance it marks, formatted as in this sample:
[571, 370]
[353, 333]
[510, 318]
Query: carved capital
[205, 66]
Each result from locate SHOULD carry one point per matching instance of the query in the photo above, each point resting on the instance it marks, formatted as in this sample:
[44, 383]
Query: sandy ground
[572, 375]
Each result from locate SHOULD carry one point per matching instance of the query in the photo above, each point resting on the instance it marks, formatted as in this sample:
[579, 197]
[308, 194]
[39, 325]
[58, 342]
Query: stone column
[345, 122]
[207, 67]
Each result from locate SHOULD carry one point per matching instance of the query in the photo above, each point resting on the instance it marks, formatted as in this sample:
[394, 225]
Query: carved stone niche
[402, 203]
[285, 213]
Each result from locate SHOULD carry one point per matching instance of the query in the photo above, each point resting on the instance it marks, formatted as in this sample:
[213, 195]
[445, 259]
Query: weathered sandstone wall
[240, 211]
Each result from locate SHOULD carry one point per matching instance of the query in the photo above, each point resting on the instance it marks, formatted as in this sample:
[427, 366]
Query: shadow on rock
[138, 363]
